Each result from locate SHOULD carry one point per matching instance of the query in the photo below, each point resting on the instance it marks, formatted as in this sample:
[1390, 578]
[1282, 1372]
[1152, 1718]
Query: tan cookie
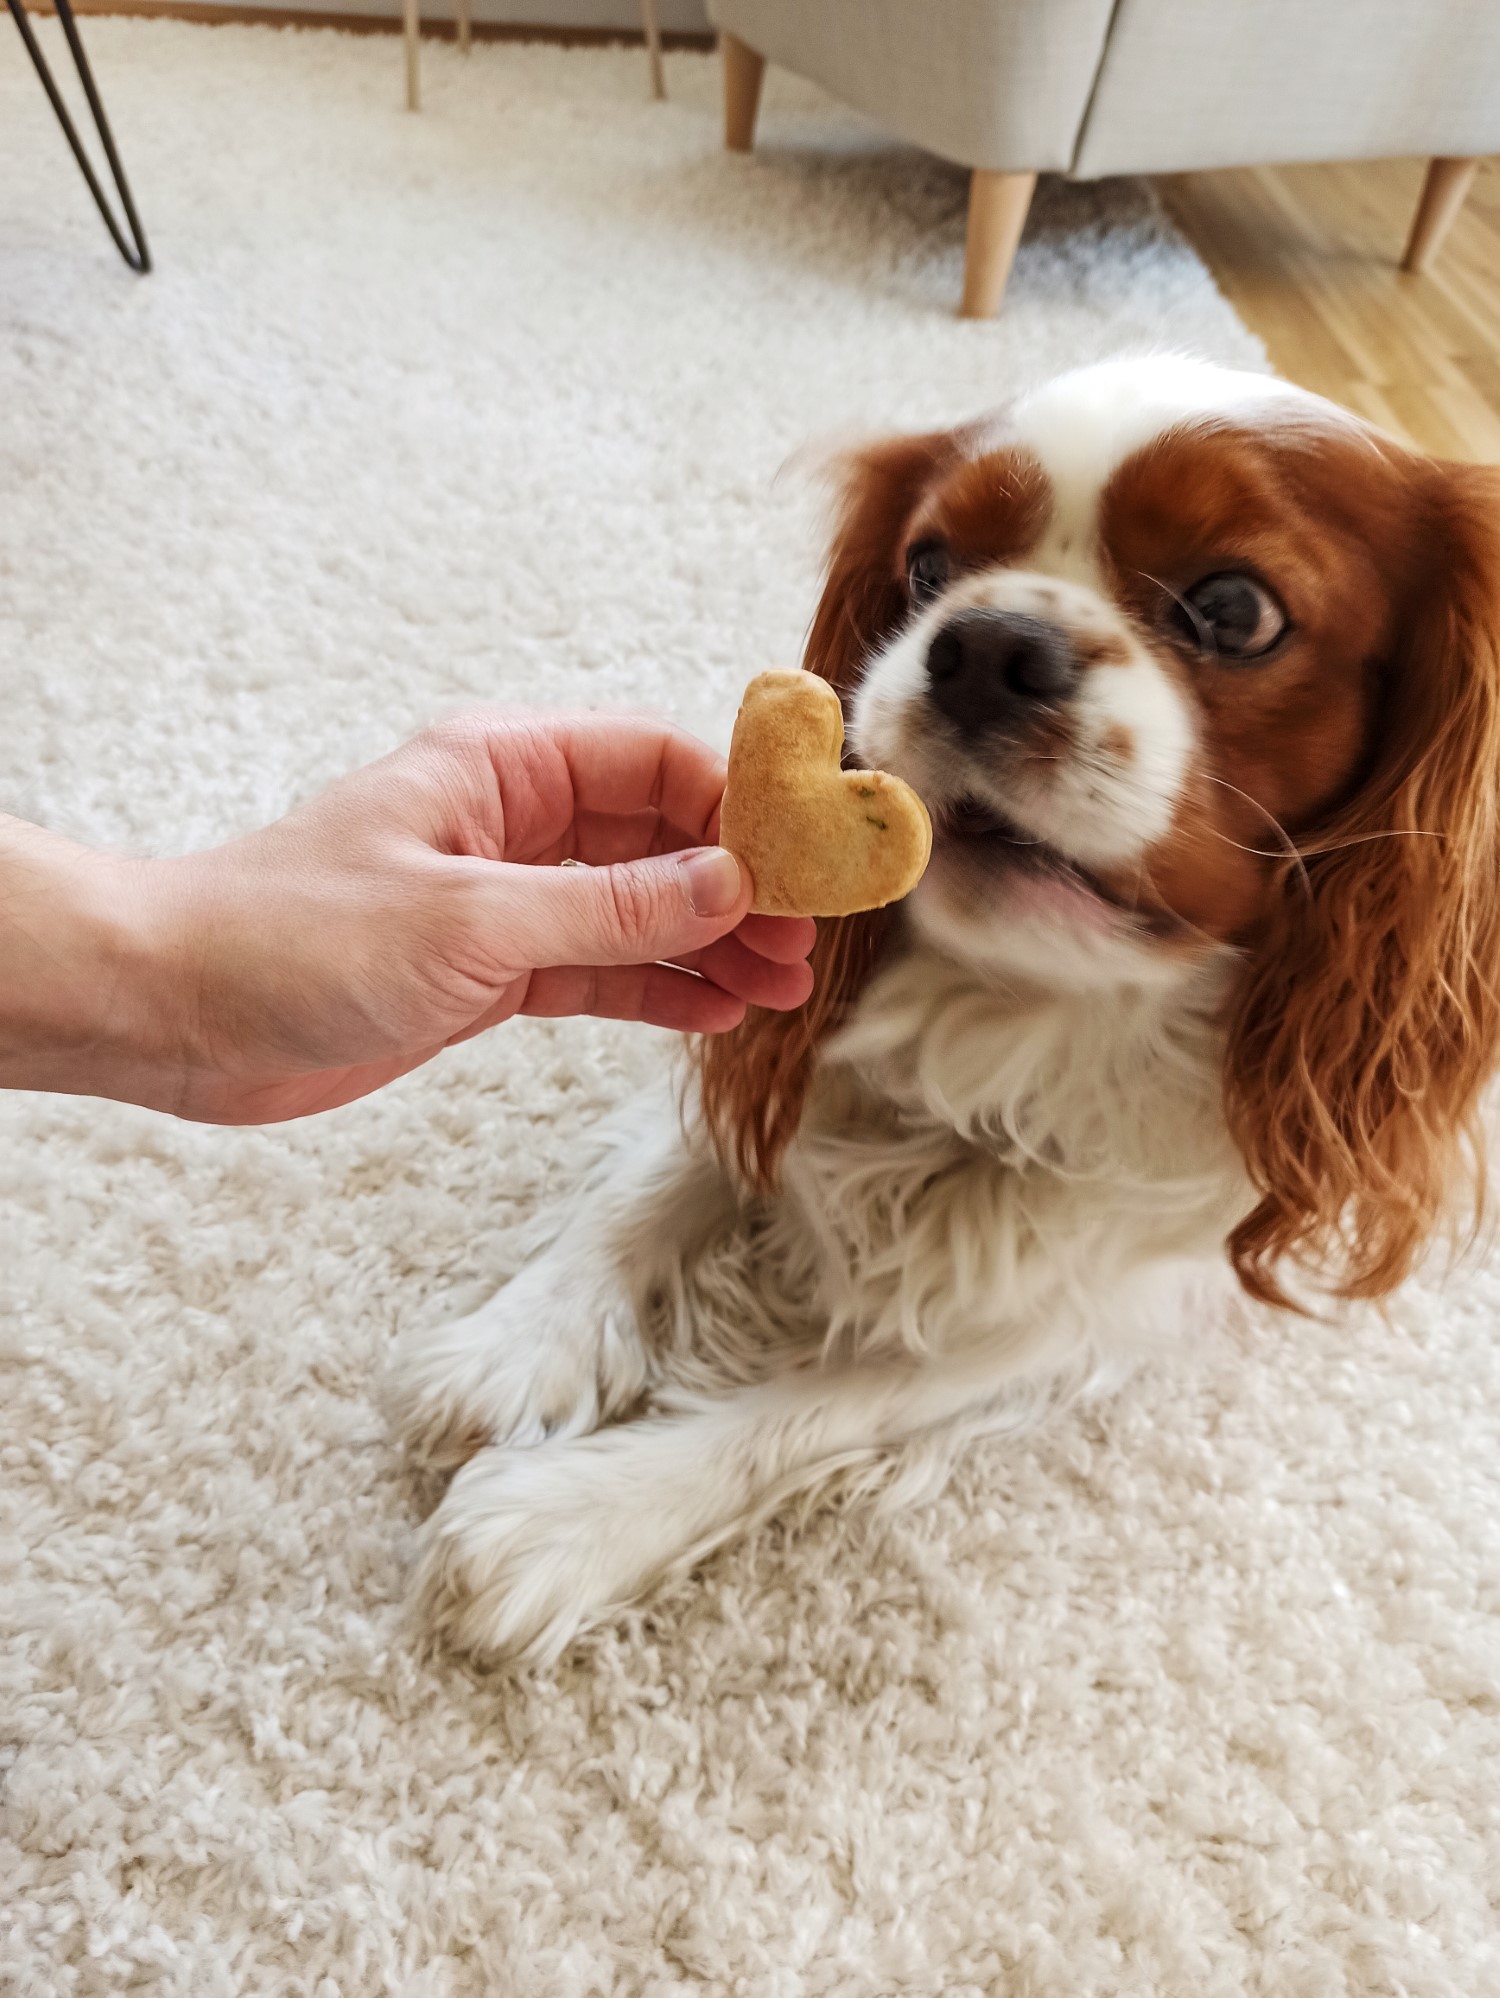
[818, 840]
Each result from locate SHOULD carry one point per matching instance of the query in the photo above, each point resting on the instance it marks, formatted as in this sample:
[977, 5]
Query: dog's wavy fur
[1366, 1023]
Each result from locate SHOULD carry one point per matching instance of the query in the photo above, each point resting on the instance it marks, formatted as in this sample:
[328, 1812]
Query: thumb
[634, 913]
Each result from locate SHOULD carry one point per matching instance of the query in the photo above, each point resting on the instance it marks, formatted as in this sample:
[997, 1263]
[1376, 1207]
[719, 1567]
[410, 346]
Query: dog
[1199, 678]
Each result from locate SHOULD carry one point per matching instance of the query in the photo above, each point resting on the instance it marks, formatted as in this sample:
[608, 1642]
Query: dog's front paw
[539, 1360]
[531, 1547]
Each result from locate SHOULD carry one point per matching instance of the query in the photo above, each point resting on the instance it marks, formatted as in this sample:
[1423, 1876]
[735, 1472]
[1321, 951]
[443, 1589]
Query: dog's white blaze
[1082, 427]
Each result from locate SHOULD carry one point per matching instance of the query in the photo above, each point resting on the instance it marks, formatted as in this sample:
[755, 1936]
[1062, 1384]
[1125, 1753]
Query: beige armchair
[1011, 88]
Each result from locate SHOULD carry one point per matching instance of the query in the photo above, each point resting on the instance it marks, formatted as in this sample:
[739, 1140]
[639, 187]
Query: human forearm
[86, 1001]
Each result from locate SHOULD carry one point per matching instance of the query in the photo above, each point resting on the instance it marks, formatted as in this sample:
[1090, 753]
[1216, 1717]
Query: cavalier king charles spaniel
[1199, 677]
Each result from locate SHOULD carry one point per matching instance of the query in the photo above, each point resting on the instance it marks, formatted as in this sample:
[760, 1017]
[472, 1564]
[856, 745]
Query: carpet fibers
[1196, 1694]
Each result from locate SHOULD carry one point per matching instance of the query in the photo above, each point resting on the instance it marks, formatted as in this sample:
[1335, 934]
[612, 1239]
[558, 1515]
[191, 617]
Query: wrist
[85, 1005]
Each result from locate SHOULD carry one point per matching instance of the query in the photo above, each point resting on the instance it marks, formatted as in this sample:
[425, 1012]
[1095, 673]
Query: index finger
[631, 763]
[533, 782]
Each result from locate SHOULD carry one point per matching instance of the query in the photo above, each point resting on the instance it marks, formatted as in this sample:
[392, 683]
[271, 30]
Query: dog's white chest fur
[987, 1174]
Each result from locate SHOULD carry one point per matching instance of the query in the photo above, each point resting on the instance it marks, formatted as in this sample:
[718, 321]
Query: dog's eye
[927, 570]
[1230, 617]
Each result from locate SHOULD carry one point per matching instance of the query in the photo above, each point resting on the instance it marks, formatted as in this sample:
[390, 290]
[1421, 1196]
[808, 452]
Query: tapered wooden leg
[651, 29]
[1443, 192]
[744, 71]
[997, 214]
[463, 9]
[411, 22]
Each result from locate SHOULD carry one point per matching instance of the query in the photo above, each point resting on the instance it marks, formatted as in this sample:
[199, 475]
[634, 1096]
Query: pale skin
[411, 905]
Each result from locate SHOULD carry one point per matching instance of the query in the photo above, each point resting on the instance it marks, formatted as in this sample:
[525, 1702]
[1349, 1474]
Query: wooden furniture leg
[1443, 192]
[744, 71]
[463, 10]
[411, 25]
[651, 29]
[997, 214]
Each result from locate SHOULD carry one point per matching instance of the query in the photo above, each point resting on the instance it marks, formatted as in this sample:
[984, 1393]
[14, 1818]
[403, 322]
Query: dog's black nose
[989, 666]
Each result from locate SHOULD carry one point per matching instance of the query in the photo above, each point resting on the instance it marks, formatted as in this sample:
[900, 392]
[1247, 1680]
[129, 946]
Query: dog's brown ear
[1369, 1021]
[753, 1082]
[864, 595]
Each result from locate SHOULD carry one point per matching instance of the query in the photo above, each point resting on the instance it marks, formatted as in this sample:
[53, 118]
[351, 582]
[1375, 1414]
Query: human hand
[409, 906]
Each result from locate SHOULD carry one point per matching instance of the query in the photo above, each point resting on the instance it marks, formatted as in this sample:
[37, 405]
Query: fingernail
[713, 880]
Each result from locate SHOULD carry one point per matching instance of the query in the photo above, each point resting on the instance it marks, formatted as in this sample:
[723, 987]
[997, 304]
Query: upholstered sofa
[1011, 88]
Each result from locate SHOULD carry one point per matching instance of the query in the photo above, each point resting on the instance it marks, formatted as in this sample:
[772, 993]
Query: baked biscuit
[818, 840]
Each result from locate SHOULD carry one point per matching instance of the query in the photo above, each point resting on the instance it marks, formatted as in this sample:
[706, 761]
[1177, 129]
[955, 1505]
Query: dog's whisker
[1291, 849]
[1206, 644]
[1363, 839]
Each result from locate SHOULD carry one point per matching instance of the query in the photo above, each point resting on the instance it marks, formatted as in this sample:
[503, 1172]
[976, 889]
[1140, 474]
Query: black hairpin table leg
[139, 258]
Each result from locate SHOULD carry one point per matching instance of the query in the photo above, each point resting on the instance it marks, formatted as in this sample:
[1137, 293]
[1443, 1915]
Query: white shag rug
[1195, 1695]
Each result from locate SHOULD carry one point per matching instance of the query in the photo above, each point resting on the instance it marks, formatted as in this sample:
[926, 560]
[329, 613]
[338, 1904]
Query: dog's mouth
[974, 827]
[973, 823]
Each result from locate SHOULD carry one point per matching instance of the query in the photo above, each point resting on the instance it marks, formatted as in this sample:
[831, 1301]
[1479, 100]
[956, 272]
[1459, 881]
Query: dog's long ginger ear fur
[753, 1082]
[1369, 1023]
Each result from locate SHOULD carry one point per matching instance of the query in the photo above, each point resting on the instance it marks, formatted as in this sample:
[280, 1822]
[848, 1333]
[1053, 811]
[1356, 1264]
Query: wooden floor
[1308, 257]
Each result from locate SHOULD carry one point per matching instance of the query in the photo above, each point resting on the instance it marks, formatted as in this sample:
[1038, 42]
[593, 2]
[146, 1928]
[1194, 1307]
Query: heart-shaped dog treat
[818, 840]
